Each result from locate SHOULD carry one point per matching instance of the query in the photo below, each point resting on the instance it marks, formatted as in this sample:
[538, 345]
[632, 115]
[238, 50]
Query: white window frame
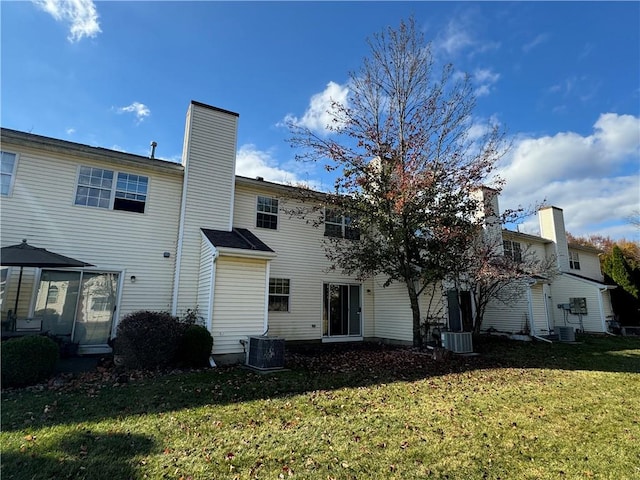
[272, 214]
[280, 294]
[344, 224]
[574, 260]
[13, 172]
[112, 190]
[511, 250]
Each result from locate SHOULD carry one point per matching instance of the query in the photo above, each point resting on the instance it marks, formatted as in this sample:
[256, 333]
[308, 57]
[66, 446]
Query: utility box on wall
[578, 305]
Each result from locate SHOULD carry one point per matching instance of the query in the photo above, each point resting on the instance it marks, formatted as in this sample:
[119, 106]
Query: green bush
[148, 339]
[195, 346]
[28, 360]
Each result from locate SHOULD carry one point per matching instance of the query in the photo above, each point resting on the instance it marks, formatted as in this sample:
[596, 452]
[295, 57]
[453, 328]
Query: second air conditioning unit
[566, 334]
[458, 342]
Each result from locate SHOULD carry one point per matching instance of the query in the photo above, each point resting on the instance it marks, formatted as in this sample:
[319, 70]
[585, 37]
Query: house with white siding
[575, 297]
[172, 236]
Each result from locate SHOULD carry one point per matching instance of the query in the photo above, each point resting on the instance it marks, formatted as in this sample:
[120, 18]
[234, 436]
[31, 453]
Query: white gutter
[243, 253]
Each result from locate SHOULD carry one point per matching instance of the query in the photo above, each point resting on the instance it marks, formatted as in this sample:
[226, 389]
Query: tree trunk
[415, 310]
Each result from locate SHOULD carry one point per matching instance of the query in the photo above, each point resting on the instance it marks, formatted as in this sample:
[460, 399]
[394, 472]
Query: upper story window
[338, 225]
[96, 188]
[8, 162]
[131, 192]
[512, 250]
[279, 294]
[574, 261]
[267, 213]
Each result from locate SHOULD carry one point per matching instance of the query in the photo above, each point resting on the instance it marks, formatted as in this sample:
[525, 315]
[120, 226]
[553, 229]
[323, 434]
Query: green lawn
[517, 411]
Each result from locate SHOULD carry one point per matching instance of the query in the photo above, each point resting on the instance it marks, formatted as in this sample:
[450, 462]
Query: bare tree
[406, 165]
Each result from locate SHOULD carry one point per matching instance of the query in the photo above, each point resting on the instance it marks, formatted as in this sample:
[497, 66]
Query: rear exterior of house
[176, 237]
[173, 237]
[113, 210]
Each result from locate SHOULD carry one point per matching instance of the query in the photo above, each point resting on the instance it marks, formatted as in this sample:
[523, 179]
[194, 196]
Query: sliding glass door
[341, 310]
[77, 305]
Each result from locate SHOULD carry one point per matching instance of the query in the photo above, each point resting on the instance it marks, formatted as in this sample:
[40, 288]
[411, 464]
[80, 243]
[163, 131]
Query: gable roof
[237, 238]
[590, 280]
[525, 236]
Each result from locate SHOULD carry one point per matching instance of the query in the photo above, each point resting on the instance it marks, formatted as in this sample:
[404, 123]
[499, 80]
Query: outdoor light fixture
[133, 279]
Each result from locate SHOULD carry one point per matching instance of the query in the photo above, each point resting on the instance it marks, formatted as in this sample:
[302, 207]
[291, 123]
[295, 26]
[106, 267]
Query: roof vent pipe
[154, 144]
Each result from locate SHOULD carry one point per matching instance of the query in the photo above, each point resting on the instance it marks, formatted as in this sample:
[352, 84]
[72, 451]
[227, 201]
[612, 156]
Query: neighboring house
[173, 237]
[576, 296]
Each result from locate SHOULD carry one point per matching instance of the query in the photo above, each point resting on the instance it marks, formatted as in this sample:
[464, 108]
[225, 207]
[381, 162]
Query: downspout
[530, 284]
[601, 308]
[266, 298]
[213, 289]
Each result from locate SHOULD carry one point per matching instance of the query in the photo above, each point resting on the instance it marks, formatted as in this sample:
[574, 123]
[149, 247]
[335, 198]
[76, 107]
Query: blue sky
[562, 78]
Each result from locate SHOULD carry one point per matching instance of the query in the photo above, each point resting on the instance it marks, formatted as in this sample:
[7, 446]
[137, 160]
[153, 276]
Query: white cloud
[252, 163]
[485, 78]
[318, 116]
[140, 110]
[541, 38]
[70, 131]
[81, 15]
[458, 38]
[454, 38]
[593, 178]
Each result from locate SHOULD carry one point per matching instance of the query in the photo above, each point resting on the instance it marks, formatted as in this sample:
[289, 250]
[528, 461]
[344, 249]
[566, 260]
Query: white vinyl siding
[565, 287]
[210, 145]
[589, 264]
[302, 260]
[394, 319]
[508, 318]
[205, 281]
[110, 240]
[239, 304]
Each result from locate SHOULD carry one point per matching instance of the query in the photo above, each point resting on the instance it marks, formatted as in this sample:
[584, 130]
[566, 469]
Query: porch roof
[237, 238]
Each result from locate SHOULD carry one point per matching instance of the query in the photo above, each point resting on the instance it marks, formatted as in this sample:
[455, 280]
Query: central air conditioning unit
[566, 334]
[265, 353]
[458, 342]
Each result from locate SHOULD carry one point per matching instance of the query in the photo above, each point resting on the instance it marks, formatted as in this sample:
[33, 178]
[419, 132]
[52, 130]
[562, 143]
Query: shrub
[195, 346]
[147, 339]
[28, 360]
